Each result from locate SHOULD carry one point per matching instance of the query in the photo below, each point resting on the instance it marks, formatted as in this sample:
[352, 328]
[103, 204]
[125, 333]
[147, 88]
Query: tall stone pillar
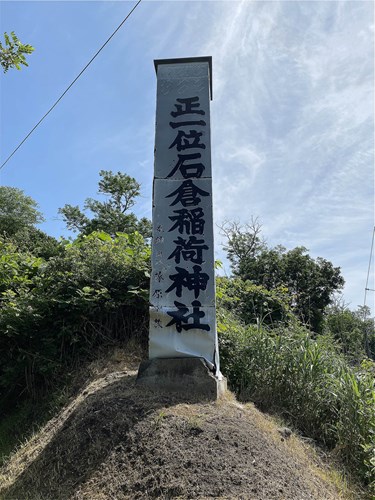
[182, 295]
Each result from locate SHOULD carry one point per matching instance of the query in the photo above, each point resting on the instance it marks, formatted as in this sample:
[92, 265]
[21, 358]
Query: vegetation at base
[308, 381]
[53, 311]
[286, 343]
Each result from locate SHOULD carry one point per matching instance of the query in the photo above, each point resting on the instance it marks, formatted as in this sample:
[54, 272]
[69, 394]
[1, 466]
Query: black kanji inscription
[202, 123]
[187, 141]
[181, 317]
[187, 194]
[187, 106]
[159, 276]
[188, 221]
[195, 281]
[189, 250]
[188, 170]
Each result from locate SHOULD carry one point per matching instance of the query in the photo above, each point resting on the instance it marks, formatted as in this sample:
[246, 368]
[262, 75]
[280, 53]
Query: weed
[158, 419]
[309, 382]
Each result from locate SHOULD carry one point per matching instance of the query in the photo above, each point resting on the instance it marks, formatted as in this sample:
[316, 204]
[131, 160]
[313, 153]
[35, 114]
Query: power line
[369, 266]
[71, 85]
[366, 335]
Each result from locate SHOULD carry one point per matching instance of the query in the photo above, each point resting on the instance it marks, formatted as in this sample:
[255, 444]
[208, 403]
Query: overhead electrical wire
[369, 267]
[366, 333]
[71, 85]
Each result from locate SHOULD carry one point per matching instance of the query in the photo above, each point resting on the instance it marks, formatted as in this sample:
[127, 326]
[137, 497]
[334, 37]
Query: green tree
[17, 211]
[364, 314]
[12, 53]
[254, 304]
[243, 241]
[40, 244]
[348, 328]
[111, 215]
[311, 283]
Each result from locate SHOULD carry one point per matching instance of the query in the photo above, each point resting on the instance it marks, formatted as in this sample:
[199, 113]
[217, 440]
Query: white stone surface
[182, 294]
[169, 89]
[166, 342]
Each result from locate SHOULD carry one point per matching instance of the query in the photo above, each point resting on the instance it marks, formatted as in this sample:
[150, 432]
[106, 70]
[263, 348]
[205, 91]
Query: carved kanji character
[187, 106]
[187, 194]
[190, 250]
[188, 170]
[159, 277]
[181, 317]
[174, 125]
[195, 281]
[188, 221]
[182, 141]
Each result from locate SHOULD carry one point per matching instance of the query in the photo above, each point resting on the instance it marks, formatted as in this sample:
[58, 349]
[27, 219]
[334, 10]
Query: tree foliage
[17, 211]
[353, 331]
[53, 310]
[254, 304]
[59, 300]
[18, 216]
[243, 241]
[112, 215]
[310, 282]
[12, 52]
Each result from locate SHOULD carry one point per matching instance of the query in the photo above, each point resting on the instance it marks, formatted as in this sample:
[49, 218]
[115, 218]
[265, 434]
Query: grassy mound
[114, 440]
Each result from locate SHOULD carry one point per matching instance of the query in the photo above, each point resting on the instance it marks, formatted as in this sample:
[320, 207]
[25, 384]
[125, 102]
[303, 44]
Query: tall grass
[307, 380]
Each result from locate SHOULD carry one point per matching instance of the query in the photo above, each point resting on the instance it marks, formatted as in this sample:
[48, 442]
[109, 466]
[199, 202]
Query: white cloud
[293, 123]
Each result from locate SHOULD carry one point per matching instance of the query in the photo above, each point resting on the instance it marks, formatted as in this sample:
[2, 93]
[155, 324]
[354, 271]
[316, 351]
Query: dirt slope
[115, 441]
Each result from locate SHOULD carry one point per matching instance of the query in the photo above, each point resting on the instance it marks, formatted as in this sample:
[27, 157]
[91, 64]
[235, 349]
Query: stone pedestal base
[185, 377]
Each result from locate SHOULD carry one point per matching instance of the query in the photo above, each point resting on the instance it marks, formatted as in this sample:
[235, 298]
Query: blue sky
[292, 116]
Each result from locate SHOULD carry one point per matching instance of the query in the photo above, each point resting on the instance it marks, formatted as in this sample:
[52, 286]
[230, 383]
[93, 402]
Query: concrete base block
[186, 377]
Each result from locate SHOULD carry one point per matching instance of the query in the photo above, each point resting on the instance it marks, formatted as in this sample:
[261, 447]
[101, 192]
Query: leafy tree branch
[12, 52]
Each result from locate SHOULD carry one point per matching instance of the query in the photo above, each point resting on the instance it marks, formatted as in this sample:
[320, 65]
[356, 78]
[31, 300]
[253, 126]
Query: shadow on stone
[184, 377]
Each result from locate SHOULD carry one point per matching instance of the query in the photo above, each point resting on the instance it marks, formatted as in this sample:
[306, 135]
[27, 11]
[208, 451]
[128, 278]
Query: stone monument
[183, 346]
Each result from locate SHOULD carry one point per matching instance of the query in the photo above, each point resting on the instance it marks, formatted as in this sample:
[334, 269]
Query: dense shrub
[353, 331]
[254, 304]
[52, 312]
[306, 380]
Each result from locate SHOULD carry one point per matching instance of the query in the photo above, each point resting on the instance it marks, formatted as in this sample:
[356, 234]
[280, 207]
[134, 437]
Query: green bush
[254, 304]
[307, 381]
[54, 311]
[348, 329]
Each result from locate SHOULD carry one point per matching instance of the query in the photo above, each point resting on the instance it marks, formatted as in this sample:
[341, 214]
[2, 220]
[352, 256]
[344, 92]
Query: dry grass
[114, 441]
[99, 374]
[314, 458]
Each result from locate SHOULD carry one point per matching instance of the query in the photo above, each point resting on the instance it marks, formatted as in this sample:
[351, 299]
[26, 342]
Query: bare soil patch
[116, 441]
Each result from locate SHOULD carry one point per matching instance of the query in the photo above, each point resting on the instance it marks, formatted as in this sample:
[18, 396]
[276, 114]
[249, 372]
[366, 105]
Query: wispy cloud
[293, 121]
